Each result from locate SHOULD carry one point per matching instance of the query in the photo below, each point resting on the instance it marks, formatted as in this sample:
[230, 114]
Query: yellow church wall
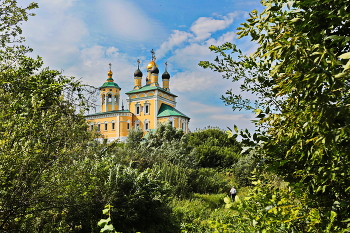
[124, 120]
[177, 122]
[160, 103]
[120, 126]
[109, 132]
[142, 116]
[165, 120]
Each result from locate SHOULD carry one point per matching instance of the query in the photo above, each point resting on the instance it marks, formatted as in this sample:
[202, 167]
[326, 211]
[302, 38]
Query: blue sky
[81, 37]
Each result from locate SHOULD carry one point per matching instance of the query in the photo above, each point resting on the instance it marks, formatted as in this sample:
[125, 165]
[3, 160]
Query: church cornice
[108, 114]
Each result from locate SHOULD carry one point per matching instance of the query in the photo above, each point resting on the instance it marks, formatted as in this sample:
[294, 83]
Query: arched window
[98, 127]
[106, 125]
[91, 127]
[147, 108]
[103, 99]
[146, 125]
[137, 109]
[137, 124]
[109, 98]
[171, 120]
[113, 125]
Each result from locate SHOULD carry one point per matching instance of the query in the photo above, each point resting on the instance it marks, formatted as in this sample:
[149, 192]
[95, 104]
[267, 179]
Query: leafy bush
[208, 180]
[243, 169]
[197, 213]
[213, 148]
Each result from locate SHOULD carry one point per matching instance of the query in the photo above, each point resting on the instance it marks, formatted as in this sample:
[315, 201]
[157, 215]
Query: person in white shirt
[233, 193]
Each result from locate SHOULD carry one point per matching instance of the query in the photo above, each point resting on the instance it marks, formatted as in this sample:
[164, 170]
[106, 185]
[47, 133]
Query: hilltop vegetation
[300, 75]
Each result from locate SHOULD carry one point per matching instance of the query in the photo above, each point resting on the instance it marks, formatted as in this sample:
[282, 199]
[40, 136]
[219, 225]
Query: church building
[148, 105]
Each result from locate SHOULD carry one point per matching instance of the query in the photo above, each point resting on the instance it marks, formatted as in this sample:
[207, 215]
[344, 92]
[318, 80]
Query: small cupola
[138, 72]
[165, 75]
[109, 93]
[137, 76]
[166, 78]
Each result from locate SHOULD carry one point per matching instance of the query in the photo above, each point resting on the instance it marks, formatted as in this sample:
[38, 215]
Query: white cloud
[176, 38]
[199, 108]
[243, 121]
[93, 64]
[227, 37]
[205, 26]
[189, 56]
[55, 34]
[62, 4]
[192, 81]
[203, 115]
[126, 20]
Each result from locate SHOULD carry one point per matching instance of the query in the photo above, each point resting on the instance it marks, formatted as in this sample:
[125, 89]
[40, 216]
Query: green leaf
[295, 20]
[105, 211]
[107, 228]
[103, 222]
[235, 128]
[345, 56]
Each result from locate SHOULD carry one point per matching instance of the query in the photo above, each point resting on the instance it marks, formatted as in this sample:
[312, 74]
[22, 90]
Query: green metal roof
[103, 113]
[149, 88]
[166, 110]
[110, 84]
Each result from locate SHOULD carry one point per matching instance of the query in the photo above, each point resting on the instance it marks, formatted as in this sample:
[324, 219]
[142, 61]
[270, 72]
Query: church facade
[148, 106]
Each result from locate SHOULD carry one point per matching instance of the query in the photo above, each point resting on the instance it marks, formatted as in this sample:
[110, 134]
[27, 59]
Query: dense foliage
[56, 177]
[300, 74]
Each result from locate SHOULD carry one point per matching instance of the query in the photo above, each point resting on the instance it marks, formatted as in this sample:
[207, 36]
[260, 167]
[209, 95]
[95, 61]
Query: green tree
[134, 138]
[213, 148]
[300, 73]
[11, 17]
[42, 133]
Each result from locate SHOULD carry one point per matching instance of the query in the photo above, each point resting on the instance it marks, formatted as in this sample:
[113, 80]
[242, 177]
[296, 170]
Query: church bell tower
[110, 93]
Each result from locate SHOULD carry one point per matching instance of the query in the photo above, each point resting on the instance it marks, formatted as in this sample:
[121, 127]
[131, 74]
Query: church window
[110, 89]
[106, 125]
[171, 121]
[98, 127]
[109, 98]
[137, 108]
[146, 125]
[146, 109]
[103, 99]
[128, 126]
[137, 124]
[113, 125]
[91, 127]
